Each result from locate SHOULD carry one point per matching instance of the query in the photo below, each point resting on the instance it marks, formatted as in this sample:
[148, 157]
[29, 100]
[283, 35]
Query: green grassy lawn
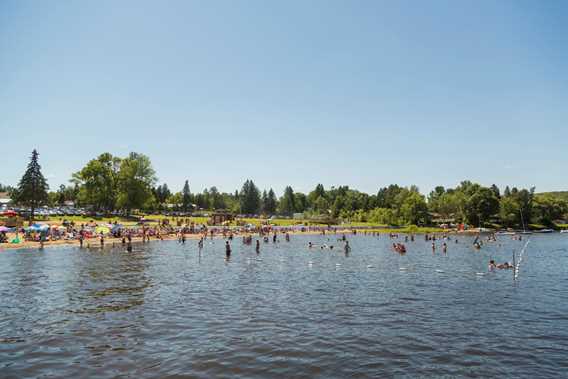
[254, 221]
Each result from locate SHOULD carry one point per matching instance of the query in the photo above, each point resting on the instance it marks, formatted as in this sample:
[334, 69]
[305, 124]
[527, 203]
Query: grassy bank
[253, 221]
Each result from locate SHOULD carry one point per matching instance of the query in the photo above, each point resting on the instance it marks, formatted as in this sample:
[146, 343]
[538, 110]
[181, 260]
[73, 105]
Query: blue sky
[363, 93]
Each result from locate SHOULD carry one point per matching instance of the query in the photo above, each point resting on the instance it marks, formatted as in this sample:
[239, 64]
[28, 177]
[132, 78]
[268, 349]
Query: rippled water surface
[166, 310]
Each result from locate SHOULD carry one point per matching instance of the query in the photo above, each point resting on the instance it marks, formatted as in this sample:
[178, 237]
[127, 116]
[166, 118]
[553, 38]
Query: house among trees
[220, 217]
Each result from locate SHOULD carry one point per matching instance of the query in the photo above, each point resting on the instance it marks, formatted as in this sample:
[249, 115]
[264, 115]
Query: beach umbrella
[102, 229]
[116, 228]
[10, 213]
[38, 227]
[4, 229]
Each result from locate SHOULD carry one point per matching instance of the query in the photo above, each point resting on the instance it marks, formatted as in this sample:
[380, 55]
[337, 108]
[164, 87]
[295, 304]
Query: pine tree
[186, 197]
[271, 203]
[32, 189]
[288, 202]
[249, 198]
[264, 201]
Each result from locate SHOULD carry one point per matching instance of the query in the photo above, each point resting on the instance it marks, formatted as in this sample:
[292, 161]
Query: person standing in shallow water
[227, 249]
[257, 246]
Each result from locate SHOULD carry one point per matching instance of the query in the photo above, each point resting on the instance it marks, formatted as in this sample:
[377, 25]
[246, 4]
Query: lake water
[167, 310]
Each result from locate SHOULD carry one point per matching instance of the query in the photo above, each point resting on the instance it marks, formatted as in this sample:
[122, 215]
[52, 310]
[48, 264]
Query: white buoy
[440, 271]
[370, 266]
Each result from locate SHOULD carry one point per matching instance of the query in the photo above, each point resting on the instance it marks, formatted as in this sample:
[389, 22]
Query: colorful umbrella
[4, 229]
[116, 227]
[38, 227]
[102, 229]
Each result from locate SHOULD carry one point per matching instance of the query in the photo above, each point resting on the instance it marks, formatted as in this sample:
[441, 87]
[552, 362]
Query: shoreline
[113, 242]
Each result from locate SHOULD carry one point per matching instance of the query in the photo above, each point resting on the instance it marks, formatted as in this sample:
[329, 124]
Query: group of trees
[4, 188]
[109, 183]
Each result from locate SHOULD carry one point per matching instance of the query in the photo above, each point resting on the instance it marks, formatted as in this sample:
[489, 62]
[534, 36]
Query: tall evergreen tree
[496, 191]
[249, 198]
[186, 197]
[288, 202]
[263, 201]
[271, 203]
[32, 189]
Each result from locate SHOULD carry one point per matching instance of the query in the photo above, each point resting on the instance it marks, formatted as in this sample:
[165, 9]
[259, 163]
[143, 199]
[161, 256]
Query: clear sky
[363, 93]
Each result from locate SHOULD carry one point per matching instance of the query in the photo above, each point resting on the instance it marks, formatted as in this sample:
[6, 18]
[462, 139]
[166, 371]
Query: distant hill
[563, 195]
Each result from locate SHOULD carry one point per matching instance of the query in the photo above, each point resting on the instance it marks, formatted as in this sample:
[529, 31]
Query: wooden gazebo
[220, 217]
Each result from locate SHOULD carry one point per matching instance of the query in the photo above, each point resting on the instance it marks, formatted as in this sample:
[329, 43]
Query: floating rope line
[521, 254]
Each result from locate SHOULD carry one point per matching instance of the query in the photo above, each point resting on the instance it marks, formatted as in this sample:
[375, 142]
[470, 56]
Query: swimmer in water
[492, 265]
[227, 249]
[505, 266]
[310, 245]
